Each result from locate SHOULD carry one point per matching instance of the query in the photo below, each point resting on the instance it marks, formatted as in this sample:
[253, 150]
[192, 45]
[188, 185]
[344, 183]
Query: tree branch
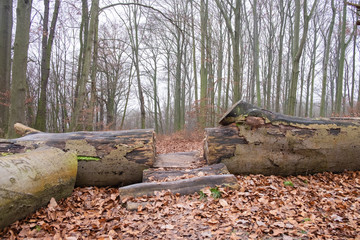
[142, 5]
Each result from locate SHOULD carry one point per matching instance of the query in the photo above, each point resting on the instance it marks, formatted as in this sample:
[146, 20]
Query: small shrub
[288, 183]
[215, 192]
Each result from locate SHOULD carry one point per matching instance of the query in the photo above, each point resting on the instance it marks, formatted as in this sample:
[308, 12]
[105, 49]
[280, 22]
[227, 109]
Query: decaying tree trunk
[257, 141]
[113, 158]
[29, 180]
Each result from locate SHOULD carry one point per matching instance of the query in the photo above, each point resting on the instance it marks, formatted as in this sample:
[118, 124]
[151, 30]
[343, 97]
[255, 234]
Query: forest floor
[320, 206]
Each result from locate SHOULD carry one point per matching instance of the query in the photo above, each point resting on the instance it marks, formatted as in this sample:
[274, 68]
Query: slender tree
[342, 47]
[326, 60]
[298, 47]
[234, 32]
[19, 67]
[5, 61]
[47, 42]
[203, 70]
[280, 54]
[75, 124]
[256, 66]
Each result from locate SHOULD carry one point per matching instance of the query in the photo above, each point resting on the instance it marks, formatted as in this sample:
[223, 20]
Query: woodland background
[172, 65]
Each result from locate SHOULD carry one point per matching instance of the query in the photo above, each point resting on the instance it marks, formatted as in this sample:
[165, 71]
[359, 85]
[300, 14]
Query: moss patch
[87, 158]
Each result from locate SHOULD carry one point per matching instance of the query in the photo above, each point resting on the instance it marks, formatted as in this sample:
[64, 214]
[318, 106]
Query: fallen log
[183, 187]
[154, 175]
[29, 180]
[112, 158]
[257, 141]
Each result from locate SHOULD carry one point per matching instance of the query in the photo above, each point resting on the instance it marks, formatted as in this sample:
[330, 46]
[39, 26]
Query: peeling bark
[112, 158]
[258, 141]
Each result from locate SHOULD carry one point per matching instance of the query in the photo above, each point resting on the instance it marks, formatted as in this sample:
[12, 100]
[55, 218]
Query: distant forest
[175, 64]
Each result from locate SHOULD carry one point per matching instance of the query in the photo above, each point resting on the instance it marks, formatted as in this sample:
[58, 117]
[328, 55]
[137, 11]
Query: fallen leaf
[223, 203]
[53, 204]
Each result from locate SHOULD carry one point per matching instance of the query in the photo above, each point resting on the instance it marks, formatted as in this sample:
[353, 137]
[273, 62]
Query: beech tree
[5, 61]
[47, 42]
[298, 47]
[19, 67]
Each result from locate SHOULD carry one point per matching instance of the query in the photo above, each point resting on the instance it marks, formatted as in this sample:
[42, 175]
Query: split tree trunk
[29, 180]
[257, 141]
[113, 158]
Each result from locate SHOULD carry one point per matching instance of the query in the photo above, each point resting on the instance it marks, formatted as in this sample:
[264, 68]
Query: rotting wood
[29, 180]
[186, 186]
[257, 141]
[111, 158]
[153, 175]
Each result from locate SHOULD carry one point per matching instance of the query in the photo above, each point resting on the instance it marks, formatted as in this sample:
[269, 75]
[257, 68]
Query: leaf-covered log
[111, 158]
[257, 141]
[29, 180]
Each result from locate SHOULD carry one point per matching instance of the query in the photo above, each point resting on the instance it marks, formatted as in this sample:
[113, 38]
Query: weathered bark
[263, 142]
[6, 19]
[113, 158]
[183, 187]
[29, 180]
[19, 66]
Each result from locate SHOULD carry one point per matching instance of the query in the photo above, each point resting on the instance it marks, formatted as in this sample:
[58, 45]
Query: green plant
[6, 154]
[37, 228]
[288, 183]
[202, 195]
[215, 192]
[306, 219]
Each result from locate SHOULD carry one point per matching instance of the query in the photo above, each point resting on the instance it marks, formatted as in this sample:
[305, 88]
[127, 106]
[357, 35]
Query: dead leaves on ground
[325, 206]
[181, 141]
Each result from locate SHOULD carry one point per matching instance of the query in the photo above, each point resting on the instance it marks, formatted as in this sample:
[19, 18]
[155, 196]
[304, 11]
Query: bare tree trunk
[326, 60]
[219, 71]
[177, 95]
[340, 80]
[6, 18]
[256, 68]
[203, 70]
[18, 85]
[298, 47]
[79, 104]
[93, 96]
[194, 61]
[47, 42]
[235, 37]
